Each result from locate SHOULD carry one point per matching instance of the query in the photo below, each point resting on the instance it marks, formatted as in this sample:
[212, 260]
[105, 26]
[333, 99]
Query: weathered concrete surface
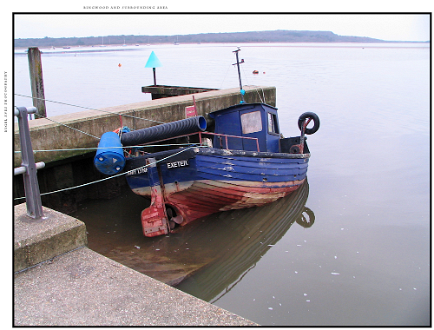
[160, 91]
[48, 135]
[42, 239]
[84, 288]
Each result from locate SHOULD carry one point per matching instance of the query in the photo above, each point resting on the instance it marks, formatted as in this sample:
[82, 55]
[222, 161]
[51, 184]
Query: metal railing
[201, 134]
[226, 136]
[28, 166]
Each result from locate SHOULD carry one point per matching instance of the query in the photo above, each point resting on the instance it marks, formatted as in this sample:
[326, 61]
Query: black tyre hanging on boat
[309, 115]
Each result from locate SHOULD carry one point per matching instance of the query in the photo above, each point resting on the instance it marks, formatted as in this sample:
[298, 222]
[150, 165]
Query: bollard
[36, 81]
[31, 186]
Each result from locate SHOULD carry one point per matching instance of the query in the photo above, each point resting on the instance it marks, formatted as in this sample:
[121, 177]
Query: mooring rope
[76, 129]
[79, 106]
[95, 148]
[77, 149]
[113, 176]
[262, 99]
[257, 91]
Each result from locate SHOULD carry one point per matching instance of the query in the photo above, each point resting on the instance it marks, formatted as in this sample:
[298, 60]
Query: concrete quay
[67, 143]
[60, 282]
[66, 131]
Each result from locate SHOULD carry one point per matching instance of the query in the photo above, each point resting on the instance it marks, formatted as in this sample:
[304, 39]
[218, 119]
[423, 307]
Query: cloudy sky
[109, 17]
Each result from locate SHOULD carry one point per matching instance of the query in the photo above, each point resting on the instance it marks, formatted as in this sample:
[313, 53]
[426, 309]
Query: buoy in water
[119, 65]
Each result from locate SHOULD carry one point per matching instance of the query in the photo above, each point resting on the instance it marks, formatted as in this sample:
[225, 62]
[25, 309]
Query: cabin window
[251, 122]
[272, 123]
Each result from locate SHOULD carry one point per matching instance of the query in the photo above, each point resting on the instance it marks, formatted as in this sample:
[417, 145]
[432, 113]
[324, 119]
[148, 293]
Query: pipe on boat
[164, 131]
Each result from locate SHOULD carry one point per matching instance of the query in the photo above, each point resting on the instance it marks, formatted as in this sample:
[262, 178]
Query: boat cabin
[252, 120]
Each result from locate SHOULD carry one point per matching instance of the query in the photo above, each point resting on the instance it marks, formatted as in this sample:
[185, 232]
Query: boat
[242, 161]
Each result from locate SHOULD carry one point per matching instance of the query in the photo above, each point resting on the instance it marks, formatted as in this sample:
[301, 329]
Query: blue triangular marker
[153, 61]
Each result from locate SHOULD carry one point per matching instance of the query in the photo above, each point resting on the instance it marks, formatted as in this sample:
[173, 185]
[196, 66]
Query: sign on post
[191, 110]
[153, 62]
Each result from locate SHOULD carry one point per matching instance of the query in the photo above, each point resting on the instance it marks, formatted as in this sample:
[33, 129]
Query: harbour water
[350, 248]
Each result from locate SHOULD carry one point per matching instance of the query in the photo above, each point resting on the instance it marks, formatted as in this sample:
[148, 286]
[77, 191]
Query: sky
[153, 21]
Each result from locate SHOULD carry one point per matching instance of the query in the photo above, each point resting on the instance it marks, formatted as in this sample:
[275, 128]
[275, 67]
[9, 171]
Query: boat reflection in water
[248, 234]
[214, 250]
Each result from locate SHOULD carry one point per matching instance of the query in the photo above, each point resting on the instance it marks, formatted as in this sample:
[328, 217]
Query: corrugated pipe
[164, 131]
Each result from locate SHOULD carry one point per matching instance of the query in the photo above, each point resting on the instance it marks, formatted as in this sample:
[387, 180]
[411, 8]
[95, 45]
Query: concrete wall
[72, 168]
[49, 135]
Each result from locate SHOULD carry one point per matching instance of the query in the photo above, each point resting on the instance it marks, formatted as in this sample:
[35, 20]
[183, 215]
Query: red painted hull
[201, 198]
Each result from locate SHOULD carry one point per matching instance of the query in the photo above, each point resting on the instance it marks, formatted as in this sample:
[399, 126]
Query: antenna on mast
[242, 91]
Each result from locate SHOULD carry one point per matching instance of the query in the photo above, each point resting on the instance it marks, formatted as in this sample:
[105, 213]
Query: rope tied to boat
[117, 175]
[95, 148]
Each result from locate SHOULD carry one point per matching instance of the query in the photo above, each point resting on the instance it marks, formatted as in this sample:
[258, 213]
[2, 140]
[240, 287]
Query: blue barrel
[109, 158]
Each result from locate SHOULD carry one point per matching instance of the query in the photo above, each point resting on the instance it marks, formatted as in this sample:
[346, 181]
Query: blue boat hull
[200, 181]
[259, 169]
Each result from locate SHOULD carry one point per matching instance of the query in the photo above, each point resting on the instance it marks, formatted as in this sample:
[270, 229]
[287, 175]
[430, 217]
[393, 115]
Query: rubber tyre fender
[306, 222]
[315, 119]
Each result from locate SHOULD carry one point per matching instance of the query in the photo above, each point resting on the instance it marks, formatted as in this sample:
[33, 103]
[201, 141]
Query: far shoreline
[118, 47]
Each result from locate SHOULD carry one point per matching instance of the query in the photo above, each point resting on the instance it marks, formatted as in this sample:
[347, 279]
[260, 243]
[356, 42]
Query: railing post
[31, 186]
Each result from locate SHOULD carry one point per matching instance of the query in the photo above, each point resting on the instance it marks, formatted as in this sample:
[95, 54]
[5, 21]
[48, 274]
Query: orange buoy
[119, 65]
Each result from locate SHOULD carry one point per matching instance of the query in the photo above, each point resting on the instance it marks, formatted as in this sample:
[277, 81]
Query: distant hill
[231, 37]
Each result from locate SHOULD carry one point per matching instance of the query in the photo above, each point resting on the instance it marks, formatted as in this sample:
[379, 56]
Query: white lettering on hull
[137, 171]
[180, 163]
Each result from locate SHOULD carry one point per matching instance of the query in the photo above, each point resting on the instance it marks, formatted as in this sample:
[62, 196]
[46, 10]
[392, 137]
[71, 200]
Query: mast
[242, 91]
